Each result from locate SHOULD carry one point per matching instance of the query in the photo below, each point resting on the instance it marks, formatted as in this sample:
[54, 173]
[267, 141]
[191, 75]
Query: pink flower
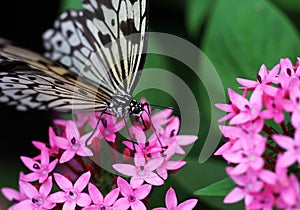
[108, 126]
[248, 110]
[169, 165]
[131, 196]
[247, 185]
[171, 202]
[141, 171]
[40, 170]
[71, 195]
[54, 149]
[99, 202]
[264, 79]
[14, 195]
[292, 147]
[73, 143]
[173, 142]
[293, 104]
[38, 200]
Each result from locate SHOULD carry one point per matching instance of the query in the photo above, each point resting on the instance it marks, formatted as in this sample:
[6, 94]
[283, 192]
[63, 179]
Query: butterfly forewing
[113, 42]
[100, 51]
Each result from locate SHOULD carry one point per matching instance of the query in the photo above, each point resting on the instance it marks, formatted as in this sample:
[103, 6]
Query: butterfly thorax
[124, 105]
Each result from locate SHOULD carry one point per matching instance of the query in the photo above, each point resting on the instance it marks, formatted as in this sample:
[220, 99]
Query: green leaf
[196, 12]
[220, 188]
[70, 4]
[243, 35]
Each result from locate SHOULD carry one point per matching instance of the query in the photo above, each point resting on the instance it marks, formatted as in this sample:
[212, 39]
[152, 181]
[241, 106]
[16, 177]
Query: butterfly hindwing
[29, 81]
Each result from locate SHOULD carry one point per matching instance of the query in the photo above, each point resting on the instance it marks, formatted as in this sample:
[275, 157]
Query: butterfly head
[136, 108]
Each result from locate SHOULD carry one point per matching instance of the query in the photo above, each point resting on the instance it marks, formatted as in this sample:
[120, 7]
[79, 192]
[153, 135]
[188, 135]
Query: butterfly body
[93, 61]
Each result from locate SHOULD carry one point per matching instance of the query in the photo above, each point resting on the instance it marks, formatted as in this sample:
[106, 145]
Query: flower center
[72, 195]
[131, 198]
[141, 171]
[36, 166]
[102, 207]
[37, 200]
[251, 157]
[74, 143]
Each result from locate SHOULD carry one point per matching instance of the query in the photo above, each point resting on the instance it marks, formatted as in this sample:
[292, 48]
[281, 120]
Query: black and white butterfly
[100, 53]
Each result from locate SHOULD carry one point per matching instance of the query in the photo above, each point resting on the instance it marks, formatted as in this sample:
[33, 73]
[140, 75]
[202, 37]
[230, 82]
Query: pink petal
[126, 169]
[136, 181]
[71, 130]
[237, 99]
[46, 187]
[112, 196]
[44, 156]
[138, 205]
[63, 183]
[247, 83]
[121, 204]
[184, 140]
[284, 141]
[11, 194]
[189, 204]
[84, 200]
[239, 118]
[286, 159]
[29, 177]
[234, 196]
[160, 208]
[57, 197]
[268, 177]
[173, 127]
[38, 145]
[154, 179]
[82, 181]
[224, 107]
[29, 190]
[29, 162]
[84, 152]
[95, 194]
[52, 165]
[171, 199]
[143, 191]
[66, 156]
[256, 97]
[69, 205]
[154, 163]
[139, 160]
[296, 119]
[174, 165]
[125, 188]
[61, 142]
[25, 204]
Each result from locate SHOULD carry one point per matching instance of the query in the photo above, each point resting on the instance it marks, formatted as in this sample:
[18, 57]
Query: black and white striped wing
[29, 81]
[105, 42]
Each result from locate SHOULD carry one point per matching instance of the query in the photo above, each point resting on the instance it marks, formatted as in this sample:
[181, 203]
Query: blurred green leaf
[220, 188]
[196, 12]
[243, 35]
[70, 4]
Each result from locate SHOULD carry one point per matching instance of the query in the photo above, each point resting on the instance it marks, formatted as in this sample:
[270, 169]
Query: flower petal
[62, 182]
[126, 169]
[171, 199]
[82, 181]
[95, 194]
[84, 200]
[189, 204]
[142, 191]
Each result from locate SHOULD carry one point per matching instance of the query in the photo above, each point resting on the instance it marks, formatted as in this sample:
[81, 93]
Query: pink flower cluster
[63, 175]
[263, 139]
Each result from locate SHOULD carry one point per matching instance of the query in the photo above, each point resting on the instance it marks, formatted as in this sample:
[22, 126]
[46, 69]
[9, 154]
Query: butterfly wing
[105, 43]
[30, 81]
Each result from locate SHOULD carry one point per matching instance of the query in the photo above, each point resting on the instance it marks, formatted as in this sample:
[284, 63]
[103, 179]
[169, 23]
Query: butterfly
[93, 61]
